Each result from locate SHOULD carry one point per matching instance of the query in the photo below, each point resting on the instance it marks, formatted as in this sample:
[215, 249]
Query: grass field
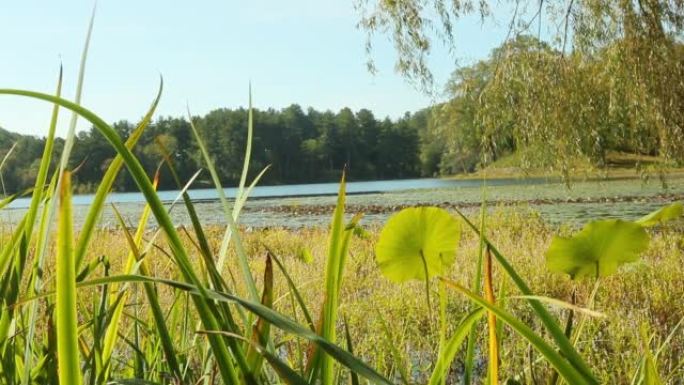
[648, 292]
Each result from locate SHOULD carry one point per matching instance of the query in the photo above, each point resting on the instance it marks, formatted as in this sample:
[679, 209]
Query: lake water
[303, 190]
[312, 204]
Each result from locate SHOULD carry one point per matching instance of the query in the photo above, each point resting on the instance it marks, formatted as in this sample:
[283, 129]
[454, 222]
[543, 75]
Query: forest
[300, 147]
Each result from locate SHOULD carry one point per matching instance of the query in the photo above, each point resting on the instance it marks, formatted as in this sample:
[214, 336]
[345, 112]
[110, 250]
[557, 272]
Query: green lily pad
[415, 239]
[665, 214]
[598, 250]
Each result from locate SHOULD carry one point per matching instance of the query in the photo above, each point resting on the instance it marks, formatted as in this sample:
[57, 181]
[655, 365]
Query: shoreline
[610, 174]
[317, 209]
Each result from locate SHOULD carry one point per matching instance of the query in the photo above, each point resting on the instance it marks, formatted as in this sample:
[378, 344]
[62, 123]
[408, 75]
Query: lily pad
[416, 239]
[598, 250]
[665, 214]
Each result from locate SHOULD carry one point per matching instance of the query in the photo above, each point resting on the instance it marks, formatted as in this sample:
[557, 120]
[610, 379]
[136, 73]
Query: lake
[312, 204]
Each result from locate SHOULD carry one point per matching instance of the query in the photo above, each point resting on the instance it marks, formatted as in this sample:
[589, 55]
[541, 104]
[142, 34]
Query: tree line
[300, 147]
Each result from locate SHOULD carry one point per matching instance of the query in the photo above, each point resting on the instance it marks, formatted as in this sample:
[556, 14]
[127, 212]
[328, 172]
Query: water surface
[311, 204]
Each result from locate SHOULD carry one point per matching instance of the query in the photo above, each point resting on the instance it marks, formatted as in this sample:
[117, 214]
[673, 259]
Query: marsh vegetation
[431, 289]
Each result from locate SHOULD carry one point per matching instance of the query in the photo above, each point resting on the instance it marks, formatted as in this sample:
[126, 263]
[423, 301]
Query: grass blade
[242, 255]
[350, 347]
[451, 346]
[108, 181]
[283, 370]
[155, 307]
[260, 333]
[476, 287]
[2, 164]
[179, 252]
[333, 277]
[112, 331]
[271, 316]
[67, 321]
[564, 368]
[37, 197]
[491, 322]
[294, 289]
[557, 333]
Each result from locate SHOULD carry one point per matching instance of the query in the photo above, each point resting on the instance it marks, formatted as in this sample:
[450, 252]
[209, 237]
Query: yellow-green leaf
[598, 250]
[415, 240]
[665, 214]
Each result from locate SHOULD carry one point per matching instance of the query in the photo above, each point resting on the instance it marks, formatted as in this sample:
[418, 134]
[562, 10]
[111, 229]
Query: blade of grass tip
[2, 164]
[261, 330]
[549, 322]
[332, 277]
[248, 147]
[11, 198]
[69, 139]
[558, 361]
[180, 254]
[477, 283]
[344, 247]
[240, 203]
[242, 254]
[491, 322]
[451, 346]
[67, 321]
[41, 179]
[241, 196]
[71, 132]
[108, 180]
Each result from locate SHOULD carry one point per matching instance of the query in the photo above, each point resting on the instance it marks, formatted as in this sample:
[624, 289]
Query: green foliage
[596, 76]
[598, 250]
[417, 243]
[664, 214]
[66, 303]
[301, 147]
[560, 363]
[603, 246]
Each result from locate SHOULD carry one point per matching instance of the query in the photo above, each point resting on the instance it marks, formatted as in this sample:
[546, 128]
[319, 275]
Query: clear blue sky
[294, 51]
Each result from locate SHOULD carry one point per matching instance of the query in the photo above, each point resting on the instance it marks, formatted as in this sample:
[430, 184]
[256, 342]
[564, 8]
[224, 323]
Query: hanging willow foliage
[608, 77]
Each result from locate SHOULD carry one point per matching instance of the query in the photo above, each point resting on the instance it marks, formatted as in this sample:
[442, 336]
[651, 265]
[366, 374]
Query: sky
[308, 52]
